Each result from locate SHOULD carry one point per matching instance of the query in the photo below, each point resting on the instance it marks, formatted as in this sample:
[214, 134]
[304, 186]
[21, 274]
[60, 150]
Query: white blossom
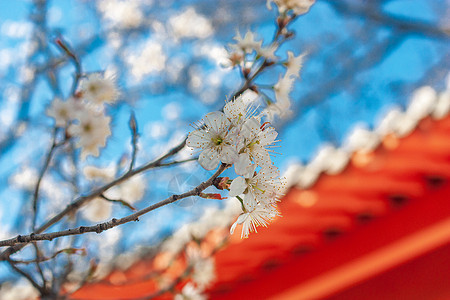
[294, 64]
[217, 142]
[63, 111]
[98, 89]
[190, 292]
[130, 191]
[280, 108]
[299, 7]
[258, 187]
[190, 24]
[274, 110]
[203, 272]
[19, 291]
[99, 173]
[127, 14]
[269, 52]
[91, 129]
[247, 44]
[261, 215]
[257, 140]
[97, 210]
[238, 111]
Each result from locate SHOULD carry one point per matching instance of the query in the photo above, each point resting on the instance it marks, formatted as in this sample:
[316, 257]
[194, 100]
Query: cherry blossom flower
[298, 7]
[258, 187]
[97, 210]
[280, 108]
[99, 89]
[294, 64]
[238, 111]
[190, 292]
[203, 267]
[261, 215]
[248, 44]
[257, 139]
[282, 90]
[91, 129]
[130, 191]
[269, 52]
[216, 140]
[103, 174]
[63, 111]
[274, 110]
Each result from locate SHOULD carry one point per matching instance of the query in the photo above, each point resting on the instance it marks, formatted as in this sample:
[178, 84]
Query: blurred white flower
[190, 24]
[151, 59]
[91, 129]
[298, 7]
[20, 290]
[294, 64]
[190, 292]
[203, 272]
[126, 14]
[100, 173]
[133, 189]
[280, 108]
[98, 89]
[25, 178]
[275, 110]
[247, 44]
[269, 52]
[97, 210]
[63, 111]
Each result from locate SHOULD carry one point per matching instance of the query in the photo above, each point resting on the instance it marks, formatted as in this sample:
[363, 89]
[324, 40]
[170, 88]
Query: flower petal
[233, 227]
[250, 202]
[209, 159]
[260, 156]
[198, 139]
[243, 164]
[250, 129]
[238, 186]
[228, 154]
[216, 121]
[267, 137]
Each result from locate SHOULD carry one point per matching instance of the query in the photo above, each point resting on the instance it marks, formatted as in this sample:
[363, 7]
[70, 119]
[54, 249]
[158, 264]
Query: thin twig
[42, 259]
[27, 276]
[76, 62]
[38, 266]
[134, 140]
[120, 201]
[41, 176]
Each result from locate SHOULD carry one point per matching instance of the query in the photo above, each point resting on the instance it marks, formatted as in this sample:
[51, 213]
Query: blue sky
[356, 69]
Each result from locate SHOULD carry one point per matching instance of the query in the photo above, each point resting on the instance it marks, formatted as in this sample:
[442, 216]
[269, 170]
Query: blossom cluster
[237, 137]
[83, 116]
[298, 7]
[250, 55]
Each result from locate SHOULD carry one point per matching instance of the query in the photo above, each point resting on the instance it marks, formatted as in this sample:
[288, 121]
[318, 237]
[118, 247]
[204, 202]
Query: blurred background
[366, 68]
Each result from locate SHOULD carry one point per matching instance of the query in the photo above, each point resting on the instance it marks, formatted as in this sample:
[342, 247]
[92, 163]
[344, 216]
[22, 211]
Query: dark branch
[113, 222]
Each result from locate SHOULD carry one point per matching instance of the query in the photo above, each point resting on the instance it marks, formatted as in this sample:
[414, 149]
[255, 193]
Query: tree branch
[114, 222]
[41, 176]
